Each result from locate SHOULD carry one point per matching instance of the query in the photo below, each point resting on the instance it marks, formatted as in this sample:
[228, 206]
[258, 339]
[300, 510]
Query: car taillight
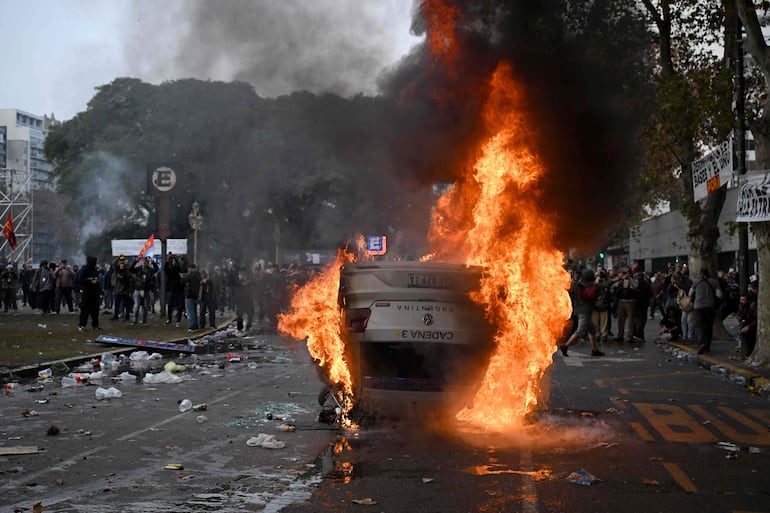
[356, 319]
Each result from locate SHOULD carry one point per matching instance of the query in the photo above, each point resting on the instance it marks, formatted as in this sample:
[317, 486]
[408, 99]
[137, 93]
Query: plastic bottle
[114, 393]
[68, 381]
[108, 359]
[185, 405]
[139, 355]
[101, 393]
[44, 374]
[127, 377]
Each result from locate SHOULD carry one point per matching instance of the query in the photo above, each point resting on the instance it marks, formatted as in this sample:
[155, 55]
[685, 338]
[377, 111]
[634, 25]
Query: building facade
[24, 170]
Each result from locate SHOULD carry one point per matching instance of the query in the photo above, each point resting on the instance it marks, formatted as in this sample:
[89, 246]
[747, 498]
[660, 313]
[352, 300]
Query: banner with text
[712, 171]
[132, 247]
[754, 198]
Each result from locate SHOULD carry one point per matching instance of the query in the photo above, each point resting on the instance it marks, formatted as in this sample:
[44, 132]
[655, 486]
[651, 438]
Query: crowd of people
[686, 308]
[129, 289]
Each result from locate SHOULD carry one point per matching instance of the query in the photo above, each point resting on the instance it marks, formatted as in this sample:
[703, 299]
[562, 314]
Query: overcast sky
[58, 51]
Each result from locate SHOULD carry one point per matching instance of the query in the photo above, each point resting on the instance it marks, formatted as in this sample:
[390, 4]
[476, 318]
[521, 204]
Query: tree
[310, 168]
[760, 127]
[694, 98]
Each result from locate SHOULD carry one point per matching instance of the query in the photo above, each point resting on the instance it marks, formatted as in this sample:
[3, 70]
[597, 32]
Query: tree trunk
[761, 354]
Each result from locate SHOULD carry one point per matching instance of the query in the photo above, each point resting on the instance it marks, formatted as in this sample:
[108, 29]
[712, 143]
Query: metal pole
[740, 151]
[195, 246]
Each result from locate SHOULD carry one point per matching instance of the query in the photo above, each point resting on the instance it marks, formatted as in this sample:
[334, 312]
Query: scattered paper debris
[366, 502]
[19, 449]
[266, 441]
[582, 477]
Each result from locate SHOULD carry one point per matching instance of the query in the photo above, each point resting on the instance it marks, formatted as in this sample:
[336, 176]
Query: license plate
[429, 281]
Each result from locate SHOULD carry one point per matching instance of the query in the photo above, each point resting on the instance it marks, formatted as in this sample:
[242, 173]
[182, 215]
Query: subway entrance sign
[376, 244]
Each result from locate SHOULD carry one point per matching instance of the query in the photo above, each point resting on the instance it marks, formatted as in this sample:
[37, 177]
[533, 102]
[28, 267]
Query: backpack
[588, 294]
[684, 301]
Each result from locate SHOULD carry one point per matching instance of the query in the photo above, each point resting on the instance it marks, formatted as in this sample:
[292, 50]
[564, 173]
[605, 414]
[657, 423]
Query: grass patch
[30, 338]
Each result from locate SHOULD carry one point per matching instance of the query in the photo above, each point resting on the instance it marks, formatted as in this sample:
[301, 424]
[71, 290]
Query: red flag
[8, 232]
[149, 244]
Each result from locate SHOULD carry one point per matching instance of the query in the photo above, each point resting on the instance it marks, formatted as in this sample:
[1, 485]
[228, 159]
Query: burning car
[413, 336]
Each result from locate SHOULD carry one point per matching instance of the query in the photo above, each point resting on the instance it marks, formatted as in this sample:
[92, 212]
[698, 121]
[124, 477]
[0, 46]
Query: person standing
[121, 288]
[601, 314]
[144, 284]
[9, 284]
[643, 298]
[192, 293]
[625, 290]
[244, 301]
[109, 298]
[209, 294]
[658, 301]
[704, 295]
[747, 315]
[43, 285]
[88, 281]
[174, 289]
[65, 281]
[25, 279]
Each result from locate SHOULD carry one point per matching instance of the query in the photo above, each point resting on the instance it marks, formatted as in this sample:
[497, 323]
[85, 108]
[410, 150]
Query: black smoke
[584, 66]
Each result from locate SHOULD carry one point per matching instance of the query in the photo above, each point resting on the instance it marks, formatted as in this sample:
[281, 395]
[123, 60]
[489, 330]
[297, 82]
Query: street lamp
[196, 222]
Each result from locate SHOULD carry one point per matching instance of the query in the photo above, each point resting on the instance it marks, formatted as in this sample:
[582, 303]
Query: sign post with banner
[712, 171]
[754, 198]
[161, 179]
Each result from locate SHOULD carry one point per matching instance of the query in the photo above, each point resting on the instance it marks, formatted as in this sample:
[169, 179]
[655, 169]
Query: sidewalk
[724, 357]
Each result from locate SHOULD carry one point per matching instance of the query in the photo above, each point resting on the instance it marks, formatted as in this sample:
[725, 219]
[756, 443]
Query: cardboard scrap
[18, 449]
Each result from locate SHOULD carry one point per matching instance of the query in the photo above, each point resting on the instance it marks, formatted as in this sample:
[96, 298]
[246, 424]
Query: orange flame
[492, 218]
[315, 315]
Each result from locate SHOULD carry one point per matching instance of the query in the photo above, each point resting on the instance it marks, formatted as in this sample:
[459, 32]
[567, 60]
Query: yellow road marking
[673, 424]
[763, 415]
[760, 436]
[680, 477]
[646, 436]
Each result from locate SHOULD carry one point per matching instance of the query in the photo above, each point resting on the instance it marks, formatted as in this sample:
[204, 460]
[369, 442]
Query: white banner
[132, 247]
[712, 171]
[754, 198]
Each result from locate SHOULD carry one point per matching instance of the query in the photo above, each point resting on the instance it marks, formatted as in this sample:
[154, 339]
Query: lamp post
[196, 222]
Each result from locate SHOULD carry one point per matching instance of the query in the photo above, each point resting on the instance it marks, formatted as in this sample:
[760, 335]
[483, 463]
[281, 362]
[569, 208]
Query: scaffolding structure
[16, 197]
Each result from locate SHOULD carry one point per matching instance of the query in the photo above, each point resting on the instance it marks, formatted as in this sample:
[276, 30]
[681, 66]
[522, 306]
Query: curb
[754, 382]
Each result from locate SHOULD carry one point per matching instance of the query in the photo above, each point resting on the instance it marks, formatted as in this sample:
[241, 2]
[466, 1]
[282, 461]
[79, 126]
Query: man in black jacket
[192, 294]
[174, 289]
[90, 293]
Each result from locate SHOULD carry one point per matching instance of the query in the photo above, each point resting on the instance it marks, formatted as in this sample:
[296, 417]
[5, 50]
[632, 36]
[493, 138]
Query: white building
[23, 169]
[23, 148]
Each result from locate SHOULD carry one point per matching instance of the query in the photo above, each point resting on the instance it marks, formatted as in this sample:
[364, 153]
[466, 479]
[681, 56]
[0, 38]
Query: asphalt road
[645, 424]
[109, 455]
[654, 433]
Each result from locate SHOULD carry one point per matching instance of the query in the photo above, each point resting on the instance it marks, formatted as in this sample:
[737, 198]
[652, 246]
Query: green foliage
[694, 101]
[302, 168]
